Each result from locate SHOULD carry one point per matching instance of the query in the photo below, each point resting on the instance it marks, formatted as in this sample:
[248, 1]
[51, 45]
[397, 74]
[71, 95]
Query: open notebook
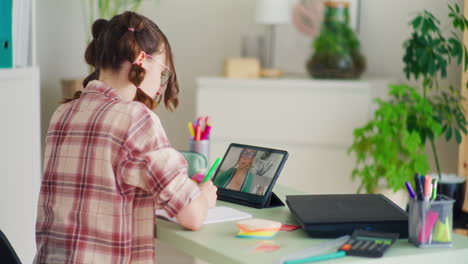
[215, 215]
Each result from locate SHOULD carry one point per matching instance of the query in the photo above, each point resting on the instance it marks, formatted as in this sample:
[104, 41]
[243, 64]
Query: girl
[108, 163]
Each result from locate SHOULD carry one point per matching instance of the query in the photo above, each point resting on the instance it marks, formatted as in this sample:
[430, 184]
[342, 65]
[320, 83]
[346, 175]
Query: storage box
[242, 68]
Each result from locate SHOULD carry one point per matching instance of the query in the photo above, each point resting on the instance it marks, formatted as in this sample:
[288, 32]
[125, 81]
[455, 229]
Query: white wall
[204, 32]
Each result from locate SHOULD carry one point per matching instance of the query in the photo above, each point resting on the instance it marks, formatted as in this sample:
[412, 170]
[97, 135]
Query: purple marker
[410, 190]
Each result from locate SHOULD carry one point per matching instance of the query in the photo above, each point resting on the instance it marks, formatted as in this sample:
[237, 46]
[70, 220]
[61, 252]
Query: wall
[204, 32]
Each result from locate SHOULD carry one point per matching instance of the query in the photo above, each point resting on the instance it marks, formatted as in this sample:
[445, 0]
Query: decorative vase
[337, 54]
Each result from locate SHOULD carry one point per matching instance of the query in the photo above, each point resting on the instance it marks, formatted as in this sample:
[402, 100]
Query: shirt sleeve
[153, 165]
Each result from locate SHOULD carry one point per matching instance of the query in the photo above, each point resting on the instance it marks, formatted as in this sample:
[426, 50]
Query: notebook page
[215, 215]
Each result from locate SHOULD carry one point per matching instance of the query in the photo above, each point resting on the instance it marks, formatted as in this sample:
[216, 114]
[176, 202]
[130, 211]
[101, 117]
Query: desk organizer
[430, 222]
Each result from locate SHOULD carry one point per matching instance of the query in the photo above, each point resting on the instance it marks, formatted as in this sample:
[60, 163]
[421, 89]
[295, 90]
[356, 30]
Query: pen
[335, 255]
[213, 167]
[410, 190]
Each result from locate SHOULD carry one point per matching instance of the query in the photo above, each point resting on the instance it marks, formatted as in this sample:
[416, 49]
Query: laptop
[335, 215]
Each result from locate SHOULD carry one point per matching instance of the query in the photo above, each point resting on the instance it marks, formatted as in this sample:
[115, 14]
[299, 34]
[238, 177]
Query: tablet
[247, 175]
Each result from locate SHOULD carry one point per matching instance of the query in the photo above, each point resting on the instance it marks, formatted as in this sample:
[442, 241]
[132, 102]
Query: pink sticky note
[266, 247]
[286, 227]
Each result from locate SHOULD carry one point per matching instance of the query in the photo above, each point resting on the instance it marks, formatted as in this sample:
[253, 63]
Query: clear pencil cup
[200, 146]
[430, 222]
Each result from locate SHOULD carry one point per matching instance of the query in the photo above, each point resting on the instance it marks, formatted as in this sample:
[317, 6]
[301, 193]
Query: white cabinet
[312, 119]
[20, 158]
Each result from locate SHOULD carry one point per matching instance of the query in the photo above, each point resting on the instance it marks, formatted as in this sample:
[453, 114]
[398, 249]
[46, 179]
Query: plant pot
[453, 186]
[323, 66]
[400, 197]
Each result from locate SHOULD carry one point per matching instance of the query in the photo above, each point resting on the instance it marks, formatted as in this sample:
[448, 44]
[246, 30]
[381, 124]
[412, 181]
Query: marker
[197, 133]
[190, 128]
[206, 132]
[419, 186]
[434, 189]
[427, 187]
[410, 190]
[213, 167]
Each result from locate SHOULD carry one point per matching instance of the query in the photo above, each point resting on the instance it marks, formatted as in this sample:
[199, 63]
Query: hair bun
[98, 27]
[133, 20]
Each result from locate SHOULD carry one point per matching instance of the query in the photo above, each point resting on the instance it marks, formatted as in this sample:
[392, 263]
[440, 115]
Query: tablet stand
[273, 201]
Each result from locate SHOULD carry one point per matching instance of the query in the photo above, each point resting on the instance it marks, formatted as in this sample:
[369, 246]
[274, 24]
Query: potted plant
[92, 10]
[390, 148]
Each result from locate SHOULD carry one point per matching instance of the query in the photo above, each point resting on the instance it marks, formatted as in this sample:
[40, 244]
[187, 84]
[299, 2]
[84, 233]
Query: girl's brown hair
[121, 39]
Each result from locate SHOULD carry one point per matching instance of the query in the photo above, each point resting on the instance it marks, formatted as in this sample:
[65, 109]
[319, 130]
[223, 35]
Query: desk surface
[216, 243]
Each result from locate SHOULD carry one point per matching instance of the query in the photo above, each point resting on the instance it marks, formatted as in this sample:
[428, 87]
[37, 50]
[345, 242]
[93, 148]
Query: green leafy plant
[95, 9]
[391, 146]
[336, 37]
[336, 49]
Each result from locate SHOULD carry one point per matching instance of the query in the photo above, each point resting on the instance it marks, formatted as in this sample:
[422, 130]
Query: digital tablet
[247, 175]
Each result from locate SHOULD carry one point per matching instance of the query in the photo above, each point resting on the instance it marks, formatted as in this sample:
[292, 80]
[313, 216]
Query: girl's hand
[209, 191]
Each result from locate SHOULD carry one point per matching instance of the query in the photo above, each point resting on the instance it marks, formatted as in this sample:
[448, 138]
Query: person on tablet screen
[239, 177]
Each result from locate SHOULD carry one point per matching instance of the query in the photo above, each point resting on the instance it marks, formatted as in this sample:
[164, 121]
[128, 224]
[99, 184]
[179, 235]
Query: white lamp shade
[273, 11]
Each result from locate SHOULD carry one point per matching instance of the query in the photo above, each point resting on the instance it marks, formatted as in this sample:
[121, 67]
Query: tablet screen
[248, 169]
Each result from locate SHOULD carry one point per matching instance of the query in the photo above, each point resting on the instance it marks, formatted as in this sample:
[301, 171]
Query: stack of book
[15, 33]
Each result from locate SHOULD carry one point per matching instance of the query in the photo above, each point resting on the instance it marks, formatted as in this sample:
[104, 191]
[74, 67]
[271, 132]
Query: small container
[430, 222]
[200, 146]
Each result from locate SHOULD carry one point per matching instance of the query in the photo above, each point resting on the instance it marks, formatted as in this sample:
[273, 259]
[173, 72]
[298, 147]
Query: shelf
[17, 73]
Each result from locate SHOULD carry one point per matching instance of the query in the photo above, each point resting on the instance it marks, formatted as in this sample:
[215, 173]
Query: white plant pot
[400, 197]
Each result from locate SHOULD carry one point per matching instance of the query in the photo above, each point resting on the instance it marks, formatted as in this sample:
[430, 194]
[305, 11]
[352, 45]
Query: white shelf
[17, 73]
[312, 119]
[20, 157]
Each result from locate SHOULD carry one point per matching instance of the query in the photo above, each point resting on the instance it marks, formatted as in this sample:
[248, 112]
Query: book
[6, 45]
[216, 214]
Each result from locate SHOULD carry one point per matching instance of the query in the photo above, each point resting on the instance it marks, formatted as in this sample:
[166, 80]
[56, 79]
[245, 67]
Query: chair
[195, 160]
[7, 253]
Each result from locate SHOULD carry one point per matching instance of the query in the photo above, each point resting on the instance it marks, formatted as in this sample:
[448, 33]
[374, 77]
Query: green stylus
[213, 167]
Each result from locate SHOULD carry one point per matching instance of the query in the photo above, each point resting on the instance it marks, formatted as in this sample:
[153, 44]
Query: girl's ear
[141, 56]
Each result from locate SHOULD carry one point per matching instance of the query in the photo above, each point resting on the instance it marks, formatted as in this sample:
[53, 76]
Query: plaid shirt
[108, 165]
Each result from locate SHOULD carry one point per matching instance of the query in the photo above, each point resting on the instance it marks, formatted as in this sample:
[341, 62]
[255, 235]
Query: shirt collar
[96, 86]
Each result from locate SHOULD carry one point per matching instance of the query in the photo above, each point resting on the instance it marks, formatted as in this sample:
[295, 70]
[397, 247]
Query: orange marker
[197, 133]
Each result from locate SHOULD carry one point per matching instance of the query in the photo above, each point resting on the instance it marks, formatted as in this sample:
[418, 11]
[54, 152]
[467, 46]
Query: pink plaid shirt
[108, 165]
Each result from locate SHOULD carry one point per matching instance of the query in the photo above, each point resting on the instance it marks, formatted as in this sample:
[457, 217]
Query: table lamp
[272, 13]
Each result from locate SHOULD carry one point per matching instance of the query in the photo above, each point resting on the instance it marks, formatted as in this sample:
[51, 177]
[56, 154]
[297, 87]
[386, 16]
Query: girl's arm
[193, 214]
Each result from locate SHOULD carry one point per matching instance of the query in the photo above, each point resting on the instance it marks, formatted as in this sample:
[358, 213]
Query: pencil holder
[200, 146]
[430, 222]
